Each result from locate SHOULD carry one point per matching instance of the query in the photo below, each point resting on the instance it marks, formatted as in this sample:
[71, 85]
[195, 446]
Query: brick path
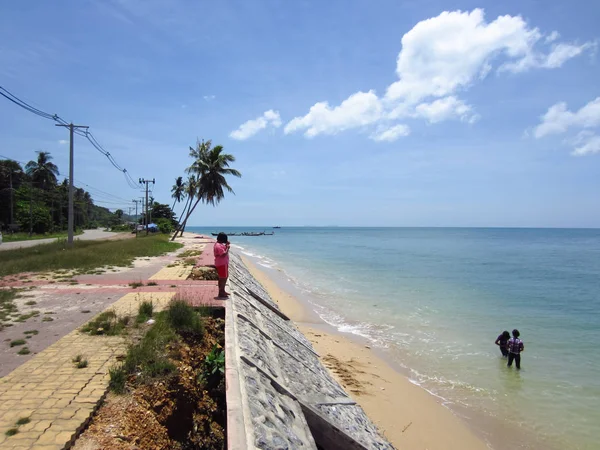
[57, 397]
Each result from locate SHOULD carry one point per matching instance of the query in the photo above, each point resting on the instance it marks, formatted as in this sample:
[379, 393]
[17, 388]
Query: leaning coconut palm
[178, 191]
[211, 166]
[42, 172]
[190, 192]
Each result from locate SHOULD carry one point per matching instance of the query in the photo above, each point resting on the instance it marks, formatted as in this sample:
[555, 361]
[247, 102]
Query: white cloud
[587, 145]
[558, 118]
[552, 37]
[360, 109]
[440, 58]
[63, 142]
[209, 98]
[250, 128]
[444, 109]
[390, 134]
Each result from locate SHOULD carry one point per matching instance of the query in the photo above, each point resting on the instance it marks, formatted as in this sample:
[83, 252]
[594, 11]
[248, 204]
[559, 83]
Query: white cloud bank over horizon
[440, 58]
[251, 127]
[558, 120]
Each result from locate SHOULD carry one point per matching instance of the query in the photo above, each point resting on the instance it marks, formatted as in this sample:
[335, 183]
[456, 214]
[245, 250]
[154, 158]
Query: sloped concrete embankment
[279, 395]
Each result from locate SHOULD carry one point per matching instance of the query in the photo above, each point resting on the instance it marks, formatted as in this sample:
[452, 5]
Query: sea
[433, 300]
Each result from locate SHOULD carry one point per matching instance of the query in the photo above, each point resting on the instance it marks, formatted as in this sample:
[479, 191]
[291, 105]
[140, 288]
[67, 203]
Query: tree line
[32, 199]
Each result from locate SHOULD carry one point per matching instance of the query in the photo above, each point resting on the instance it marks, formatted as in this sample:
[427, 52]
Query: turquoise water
[435, 299]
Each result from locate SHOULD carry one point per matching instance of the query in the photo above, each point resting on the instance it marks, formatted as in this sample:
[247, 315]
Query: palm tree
[211, 166]
[190, 193]
[178, 191]
[43, 172]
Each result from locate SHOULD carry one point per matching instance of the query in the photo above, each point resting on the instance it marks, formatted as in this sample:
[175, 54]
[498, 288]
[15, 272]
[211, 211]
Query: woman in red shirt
[221, 251]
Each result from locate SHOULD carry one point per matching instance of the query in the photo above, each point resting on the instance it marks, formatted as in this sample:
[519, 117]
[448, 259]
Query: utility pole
[147, 182]
[71, 127]
[136, 214]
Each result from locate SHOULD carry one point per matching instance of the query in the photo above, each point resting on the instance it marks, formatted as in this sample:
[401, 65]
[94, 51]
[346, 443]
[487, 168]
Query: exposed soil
[185, 410]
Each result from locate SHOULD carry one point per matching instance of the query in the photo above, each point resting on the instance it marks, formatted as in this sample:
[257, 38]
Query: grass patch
[86, 311]
[33, 332]
[23, 421]
[106, 323]
[11, 432]
[136, 284]
[189, 261]
[7, 304]
[17, 342]
[84, 255]
[146, 309]
[47, 319]
[152, 283]
[118, 377]
[31, 303]
[149, 358]
[15, 237]
[24, 351]
[29, 315]
[190, 253]
[82, 364]
[183, 318]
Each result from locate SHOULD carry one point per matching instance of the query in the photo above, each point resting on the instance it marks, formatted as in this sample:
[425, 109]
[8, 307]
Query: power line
[87, 134]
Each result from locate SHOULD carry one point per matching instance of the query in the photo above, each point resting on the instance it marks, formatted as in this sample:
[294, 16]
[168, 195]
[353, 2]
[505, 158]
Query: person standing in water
[221, 252]
[515, 347]
[502, 342]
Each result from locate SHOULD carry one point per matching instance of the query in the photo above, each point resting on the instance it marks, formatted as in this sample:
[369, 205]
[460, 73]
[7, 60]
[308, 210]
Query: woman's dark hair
[506, 334]
[222, 238]
[516, 333]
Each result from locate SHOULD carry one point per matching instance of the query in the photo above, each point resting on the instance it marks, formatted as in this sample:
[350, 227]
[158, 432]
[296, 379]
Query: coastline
[407, 415]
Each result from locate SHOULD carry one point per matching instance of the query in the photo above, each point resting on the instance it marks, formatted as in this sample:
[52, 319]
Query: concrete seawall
[279, 395]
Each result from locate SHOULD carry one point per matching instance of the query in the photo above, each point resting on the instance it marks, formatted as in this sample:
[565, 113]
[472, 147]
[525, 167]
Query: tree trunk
[188, 202]
[188, 216]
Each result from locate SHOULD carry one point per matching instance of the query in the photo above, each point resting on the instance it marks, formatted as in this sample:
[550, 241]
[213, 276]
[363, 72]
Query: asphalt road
[88, 235]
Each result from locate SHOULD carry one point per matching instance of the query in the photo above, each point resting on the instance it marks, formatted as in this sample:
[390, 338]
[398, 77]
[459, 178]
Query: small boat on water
[276, 227]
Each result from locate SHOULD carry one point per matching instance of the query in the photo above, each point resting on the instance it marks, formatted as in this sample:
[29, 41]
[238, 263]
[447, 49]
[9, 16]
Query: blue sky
[415, 113]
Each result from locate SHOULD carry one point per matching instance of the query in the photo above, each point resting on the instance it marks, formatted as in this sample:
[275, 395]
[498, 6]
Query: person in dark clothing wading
[515, 347]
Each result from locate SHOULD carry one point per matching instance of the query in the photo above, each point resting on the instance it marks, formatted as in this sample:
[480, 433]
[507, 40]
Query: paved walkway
[88, 235]
[49, 390]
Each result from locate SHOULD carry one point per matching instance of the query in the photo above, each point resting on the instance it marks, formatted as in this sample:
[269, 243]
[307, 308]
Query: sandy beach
[408, 416]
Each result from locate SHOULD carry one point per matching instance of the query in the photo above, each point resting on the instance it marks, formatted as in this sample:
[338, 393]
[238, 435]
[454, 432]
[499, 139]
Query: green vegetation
[136, 284]
[183, 318]
[189, 253]
[24, 351]
[31, 303]
[23, 421]
[7, 304]
[82, 364]
[17, 342]
[106, 323]
[31, 332]
[11, 431]
[35, 205]
[47, 319]
[215, 361]
[152, 283]
[145, 311]
[148, 359]
[84, 255]
[15, 237]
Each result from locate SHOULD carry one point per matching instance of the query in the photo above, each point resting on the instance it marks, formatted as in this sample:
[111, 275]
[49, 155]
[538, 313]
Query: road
[88, 235]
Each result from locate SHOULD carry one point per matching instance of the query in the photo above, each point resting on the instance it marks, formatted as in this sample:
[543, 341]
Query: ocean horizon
[433, 300]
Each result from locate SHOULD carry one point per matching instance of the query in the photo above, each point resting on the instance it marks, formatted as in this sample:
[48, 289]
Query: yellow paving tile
[172, 273]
